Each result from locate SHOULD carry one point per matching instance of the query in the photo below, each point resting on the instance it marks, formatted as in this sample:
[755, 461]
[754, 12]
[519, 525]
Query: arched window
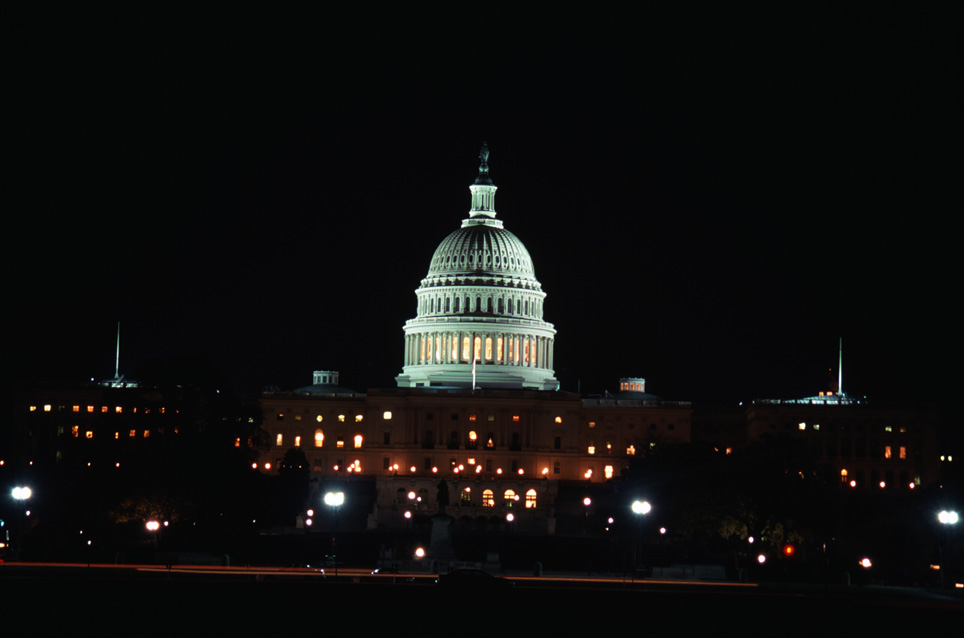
[530, 499]
[510, 498]
[466, 496]
[488, 498]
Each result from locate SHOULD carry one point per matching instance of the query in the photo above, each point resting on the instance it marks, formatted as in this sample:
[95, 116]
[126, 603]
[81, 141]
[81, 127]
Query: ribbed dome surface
[481, 249]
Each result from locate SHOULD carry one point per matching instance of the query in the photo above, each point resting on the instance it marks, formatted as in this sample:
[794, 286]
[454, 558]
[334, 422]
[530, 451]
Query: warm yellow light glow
[558, 419]
[359, 418]
[279, 439]
[608, 471]
[297, 440]
[319, 438]
[591, 449]
[341, 418]
[531, 499]
[358, 440]
[387, 415]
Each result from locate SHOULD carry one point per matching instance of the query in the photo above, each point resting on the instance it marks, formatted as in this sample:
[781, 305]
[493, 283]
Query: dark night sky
[710, 200]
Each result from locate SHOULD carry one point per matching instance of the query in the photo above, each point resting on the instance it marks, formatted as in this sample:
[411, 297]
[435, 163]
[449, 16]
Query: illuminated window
[90, 408]
[466, 347]
[359, 418]
[591, 449]
[319, 418]
[608, 470]
[341, 418]
[237, 441]
[297, 440]
[132, 434]
[471, 417]
[387, 415]
[801, 426]
[515, 418]
[358, 440]
[48, 408]
[488, 348]
[279, 439]
[89, 434]
[531, 499]
[280, 416]
[509, 498]
[903, 452]
[631, 450]
[466, 496]
[488, 498]
[592, 424]
[319, 438]
[76, 408]
[116, 435]
[558, 419]
[147, 434]
[887, 453]
[339, 442]
[75, 431]
[103, 409]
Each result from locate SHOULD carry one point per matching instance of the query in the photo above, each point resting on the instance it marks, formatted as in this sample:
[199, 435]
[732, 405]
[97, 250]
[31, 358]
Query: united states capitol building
[478, 428]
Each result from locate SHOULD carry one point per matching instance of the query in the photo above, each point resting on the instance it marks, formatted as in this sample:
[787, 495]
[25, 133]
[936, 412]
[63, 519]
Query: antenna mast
[840, 391]
[117, 356]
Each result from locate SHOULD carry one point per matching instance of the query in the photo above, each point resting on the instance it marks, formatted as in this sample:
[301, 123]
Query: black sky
[710, 200]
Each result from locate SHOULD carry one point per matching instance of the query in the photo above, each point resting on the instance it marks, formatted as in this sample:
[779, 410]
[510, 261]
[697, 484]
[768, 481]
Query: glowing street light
[334, 500]
[946, 518]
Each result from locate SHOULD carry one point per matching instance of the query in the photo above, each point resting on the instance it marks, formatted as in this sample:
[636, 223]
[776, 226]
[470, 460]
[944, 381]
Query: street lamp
[22, 494]
[946, 518]
[334, 500]
[641, 509]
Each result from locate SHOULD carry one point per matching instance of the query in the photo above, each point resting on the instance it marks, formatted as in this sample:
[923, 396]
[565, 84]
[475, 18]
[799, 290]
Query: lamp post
[946, 519]
[641, 509]
[334, 500]
[22, 494]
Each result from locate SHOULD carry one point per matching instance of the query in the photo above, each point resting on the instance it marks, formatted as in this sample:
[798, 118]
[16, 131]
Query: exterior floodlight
[642, 507]
[948, 517]
[334, 499]
[21, 493]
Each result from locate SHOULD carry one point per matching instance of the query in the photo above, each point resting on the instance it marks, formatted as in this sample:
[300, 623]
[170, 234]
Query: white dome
[479, 316]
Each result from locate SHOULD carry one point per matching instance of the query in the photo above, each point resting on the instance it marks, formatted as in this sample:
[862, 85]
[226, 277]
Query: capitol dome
[479, 320]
